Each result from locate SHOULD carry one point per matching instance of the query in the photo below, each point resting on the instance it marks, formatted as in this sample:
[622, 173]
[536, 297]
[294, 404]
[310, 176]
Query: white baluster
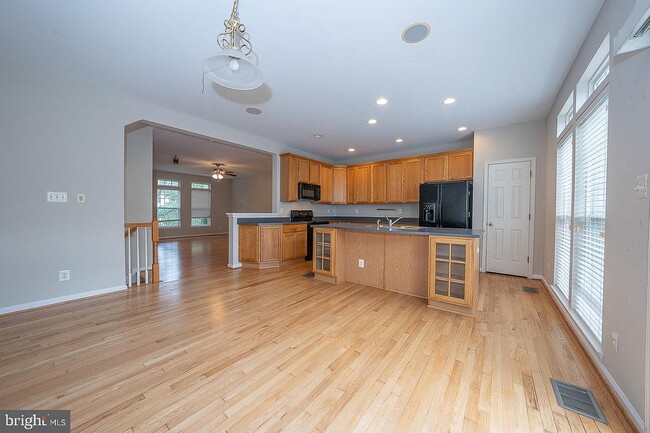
[146, 258]
[128, 266]
[137, 254]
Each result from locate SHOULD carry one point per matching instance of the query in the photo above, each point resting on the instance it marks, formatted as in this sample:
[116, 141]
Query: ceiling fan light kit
[236, 66]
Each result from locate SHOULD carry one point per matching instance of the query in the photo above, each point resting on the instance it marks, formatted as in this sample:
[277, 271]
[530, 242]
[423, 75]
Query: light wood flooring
[214, 349]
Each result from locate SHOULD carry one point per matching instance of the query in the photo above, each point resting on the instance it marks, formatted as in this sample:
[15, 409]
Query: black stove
[301, 215]
[307, 216]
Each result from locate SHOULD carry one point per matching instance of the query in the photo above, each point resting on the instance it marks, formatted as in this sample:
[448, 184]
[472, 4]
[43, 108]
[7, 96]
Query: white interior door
[508, 217]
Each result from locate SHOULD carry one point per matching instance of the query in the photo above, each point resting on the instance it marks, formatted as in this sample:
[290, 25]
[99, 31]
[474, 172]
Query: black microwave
[308, 191]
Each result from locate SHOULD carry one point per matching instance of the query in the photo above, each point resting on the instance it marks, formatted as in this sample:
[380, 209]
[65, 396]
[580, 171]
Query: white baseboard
[631, 413]
[59, 300]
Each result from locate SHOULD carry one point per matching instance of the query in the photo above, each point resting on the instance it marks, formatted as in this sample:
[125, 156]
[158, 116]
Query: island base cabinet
[260, 246]
[453, 273]
[329, 255]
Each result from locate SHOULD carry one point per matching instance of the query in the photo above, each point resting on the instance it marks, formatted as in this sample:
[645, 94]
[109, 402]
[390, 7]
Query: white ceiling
[324, 61]
[196, 155]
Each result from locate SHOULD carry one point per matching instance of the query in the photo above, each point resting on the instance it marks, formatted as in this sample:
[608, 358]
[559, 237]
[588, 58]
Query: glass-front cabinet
[324, 247]
[451, 270]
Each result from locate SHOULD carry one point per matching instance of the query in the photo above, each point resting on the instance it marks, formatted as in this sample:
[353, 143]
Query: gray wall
[523, 140]
[626, 249]
[59, 135]
[138, 165]
[252, 194]
[220, 205]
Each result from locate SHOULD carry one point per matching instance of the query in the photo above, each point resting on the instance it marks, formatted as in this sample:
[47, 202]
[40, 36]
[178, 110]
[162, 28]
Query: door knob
[490, 224]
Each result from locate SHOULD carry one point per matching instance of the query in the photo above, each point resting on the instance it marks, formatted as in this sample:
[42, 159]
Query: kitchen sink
[409, 227]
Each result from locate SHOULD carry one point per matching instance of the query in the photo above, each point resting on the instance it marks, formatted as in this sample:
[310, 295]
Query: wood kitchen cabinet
[339, 185]
[326, 184]
[289, 168]
[453, 273]
[378, 179]
[303, 170]
[314, 173]
[461, 165]
[362, 184]
[294, 241]
[329, 255]
[260, 246]
[412, 175]
[351, 192]
[394, 182]
[435, 168]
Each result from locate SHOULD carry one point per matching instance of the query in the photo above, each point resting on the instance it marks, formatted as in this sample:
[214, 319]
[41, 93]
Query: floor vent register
[577, 399]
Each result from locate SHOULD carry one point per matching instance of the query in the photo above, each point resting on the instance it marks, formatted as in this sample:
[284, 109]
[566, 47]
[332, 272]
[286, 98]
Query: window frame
[204, 188]
[168, 185]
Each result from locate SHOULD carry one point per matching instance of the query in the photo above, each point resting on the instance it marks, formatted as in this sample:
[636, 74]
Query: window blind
[563, 205]
[201, 203]
[589, 217]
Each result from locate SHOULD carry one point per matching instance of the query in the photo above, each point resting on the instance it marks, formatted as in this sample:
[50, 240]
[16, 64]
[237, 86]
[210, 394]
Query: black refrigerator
[446, 204]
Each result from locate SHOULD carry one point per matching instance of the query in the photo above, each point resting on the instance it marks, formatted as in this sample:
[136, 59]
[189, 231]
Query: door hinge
[528, 217]
[528, 259]
[531, 173]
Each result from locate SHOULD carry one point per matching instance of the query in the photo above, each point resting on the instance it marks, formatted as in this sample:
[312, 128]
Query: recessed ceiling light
[352, 149]
[382, 101]
[399, 140]
[416, 32]
[449, 101]
[372, 122]
[462, 128]
[318, 135]
[253, 110]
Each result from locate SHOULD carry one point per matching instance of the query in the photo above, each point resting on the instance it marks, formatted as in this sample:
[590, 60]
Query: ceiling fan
[218, 172]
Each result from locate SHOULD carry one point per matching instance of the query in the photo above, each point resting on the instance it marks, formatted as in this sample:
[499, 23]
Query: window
[168, 203]
[201, 203]
[589, 217]
[580, 197]
[563, 209]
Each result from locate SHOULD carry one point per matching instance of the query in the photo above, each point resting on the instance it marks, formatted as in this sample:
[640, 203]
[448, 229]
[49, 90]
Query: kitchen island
[437, 264]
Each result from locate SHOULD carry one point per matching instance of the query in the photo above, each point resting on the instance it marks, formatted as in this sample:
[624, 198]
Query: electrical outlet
[399, 211]
[356, 210]
[615, 340]
[64, 275]
[362, 263]
[81, 198]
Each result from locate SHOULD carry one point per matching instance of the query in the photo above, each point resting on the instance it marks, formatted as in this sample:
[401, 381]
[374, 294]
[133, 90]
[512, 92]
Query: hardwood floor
[214, 349]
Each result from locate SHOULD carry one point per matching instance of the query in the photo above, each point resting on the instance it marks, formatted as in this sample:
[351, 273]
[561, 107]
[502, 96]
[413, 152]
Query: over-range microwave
[308, 191]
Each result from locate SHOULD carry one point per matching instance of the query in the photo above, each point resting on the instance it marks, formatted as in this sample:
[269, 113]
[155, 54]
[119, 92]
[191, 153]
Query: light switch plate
[641, 188]
[362, 263]
[57, 197]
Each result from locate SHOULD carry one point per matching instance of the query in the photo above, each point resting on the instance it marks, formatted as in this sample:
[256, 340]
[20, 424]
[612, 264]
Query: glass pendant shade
[232, 69]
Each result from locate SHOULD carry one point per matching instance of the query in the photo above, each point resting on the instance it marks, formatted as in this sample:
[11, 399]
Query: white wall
[220, 204]
[63, 136]
[626, 249]
[138, 165]
[522, 140]
[252, 194]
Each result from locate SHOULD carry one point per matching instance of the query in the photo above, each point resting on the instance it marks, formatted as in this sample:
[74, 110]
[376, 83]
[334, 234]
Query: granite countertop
[407, 229]
[286, 220]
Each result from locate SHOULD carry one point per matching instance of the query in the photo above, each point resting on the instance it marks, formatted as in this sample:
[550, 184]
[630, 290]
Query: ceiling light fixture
[253, 110]
[218, 172]
[175, 159]
[318, 135]
[462, 128]
[236, 66]
[416, 32]
[399, 140]
[372, 122]
[382, 101]
[352, 149]
[449, 101]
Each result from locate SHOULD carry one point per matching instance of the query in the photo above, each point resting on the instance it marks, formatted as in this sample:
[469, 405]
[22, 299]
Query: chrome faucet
[391, 222]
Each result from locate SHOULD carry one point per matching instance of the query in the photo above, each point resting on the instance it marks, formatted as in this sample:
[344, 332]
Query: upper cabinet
[326, 190]
[393, 181]
[339, 185]
[412, 178]
[461, 165]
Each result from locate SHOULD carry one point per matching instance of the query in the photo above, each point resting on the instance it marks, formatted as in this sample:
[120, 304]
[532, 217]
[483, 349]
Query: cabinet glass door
[450, 270]
[323, 251]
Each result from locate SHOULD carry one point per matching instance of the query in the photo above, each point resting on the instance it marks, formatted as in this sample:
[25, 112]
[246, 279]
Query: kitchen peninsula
[438, 264]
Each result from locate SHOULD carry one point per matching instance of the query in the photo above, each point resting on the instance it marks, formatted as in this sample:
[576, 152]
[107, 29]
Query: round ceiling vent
[416, 32]
[253, 110]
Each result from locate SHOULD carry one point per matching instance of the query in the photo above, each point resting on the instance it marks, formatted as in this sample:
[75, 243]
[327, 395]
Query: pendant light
[236, 66]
